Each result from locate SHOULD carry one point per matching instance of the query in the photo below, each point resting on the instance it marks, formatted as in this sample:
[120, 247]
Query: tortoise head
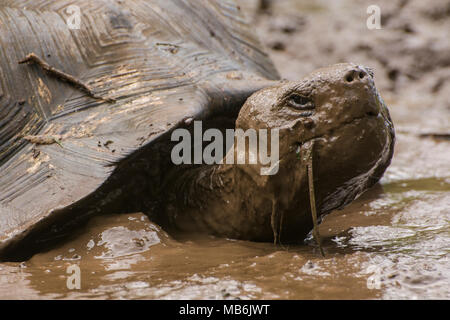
[337, 111]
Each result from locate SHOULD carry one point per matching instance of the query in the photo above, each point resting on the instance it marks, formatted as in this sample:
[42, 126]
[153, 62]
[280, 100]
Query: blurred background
[410, 53]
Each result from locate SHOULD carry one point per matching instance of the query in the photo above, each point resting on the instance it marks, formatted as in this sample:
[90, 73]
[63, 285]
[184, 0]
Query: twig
[44, 139]
[312, 199]
[273, 221]
[33, 58]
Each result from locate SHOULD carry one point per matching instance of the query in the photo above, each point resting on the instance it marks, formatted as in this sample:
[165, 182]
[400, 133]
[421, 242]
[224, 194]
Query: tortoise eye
[299, 102]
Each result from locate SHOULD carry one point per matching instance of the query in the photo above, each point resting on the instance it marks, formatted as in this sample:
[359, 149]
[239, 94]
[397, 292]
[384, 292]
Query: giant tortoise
[88, 113]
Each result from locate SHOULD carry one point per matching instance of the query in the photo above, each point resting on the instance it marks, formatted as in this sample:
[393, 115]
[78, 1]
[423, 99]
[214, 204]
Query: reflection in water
[117, 241]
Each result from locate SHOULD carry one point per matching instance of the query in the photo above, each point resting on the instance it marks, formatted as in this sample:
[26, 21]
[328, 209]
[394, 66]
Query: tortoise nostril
[355, 74]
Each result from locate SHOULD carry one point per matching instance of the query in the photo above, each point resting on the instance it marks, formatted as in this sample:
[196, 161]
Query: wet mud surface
[391, 243]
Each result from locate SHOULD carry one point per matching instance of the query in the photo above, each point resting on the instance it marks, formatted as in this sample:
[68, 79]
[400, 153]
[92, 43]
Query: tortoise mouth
[341, 174]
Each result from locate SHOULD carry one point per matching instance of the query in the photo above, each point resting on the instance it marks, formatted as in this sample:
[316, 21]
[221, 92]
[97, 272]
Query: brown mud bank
[392, 243]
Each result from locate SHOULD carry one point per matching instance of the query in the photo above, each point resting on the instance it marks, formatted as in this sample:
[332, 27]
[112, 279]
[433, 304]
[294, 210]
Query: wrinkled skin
[337, 111]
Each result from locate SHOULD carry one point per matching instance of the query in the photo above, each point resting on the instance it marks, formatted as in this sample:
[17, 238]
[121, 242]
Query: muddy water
[392, 243]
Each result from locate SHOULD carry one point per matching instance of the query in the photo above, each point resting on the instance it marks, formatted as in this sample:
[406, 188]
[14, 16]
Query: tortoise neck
[198, 194]
[207, 197]
[221, 199]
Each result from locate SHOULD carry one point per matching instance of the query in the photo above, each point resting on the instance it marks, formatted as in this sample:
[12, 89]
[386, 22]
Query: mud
[391, 243]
